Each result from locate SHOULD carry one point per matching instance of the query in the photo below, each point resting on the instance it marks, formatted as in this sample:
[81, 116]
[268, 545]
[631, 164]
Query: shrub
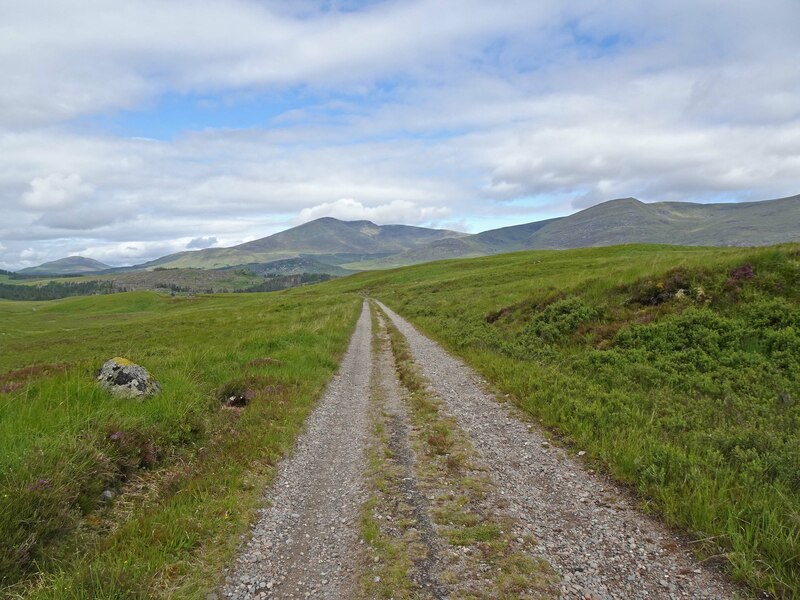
[558, 320]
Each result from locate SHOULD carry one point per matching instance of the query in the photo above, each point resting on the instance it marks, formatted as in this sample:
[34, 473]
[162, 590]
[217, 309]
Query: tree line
[53, 290]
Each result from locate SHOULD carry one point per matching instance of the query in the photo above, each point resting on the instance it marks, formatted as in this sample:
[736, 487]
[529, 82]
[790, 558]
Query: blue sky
[174, 114]
[133, 129]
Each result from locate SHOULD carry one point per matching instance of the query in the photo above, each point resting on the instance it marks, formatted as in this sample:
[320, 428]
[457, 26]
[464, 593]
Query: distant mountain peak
[340, 221]
[325, 236]
[628, 200]
[628, 220]
[70, 265]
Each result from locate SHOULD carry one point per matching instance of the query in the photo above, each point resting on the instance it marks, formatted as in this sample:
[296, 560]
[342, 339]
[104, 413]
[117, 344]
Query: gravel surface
[306, 541]
[587, 527]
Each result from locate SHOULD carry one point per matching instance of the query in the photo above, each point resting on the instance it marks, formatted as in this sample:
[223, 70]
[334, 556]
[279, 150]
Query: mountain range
[338, 247]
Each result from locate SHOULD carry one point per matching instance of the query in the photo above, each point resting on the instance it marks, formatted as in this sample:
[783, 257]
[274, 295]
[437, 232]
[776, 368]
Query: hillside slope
[71, 265]
[628, 220]
[494, 241]
[331, 236]
[321, 237]
[623, 221]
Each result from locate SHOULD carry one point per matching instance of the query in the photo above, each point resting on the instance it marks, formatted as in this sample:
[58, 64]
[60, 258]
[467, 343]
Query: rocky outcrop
[126, 379]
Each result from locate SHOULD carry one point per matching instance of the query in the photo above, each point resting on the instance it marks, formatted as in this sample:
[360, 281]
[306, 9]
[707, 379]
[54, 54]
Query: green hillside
[510, 239]
[293, 266]
[72, 265]
[624, 221]
[321, 237]
[494, 241]
[211, 258]
[630, 221]
[330, 236]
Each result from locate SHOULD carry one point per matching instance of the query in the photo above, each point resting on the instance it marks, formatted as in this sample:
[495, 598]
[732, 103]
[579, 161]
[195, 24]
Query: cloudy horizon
[131, 130]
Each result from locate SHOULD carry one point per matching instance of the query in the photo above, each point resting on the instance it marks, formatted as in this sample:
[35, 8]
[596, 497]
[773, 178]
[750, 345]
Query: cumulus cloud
[56, 190]
[130, 253]
[396, 211]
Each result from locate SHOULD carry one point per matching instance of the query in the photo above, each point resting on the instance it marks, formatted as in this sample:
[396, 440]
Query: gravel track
[306, 542]
[587, 527]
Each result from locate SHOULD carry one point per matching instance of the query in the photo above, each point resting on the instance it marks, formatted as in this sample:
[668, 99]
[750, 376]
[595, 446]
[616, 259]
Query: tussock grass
[186, 471]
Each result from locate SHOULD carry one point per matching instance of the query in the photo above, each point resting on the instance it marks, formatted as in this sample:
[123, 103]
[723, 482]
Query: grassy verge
[676, 368]
[185, 472]
[387, 524]
[487, 559]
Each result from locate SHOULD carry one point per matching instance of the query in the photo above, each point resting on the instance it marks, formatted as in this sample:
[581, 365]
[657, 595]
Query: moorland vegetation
[676, 369]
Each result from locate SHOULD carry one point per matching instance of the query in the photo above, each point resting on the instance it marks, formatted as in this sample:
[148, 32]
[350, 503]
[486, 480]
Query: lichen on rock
[127, 379]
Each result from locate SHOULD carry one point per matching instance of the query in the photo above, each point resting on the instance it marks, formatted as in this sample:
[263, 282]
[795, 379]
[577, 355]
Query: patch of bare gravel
[306, 542]
[586, 526]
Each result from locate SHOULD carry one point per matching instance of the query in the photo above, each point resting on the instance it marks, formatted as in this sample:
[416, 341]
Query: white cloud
[396, 211]
[93, 56]
[56, 190]
[128, 253]
[651, 159]
[414, 111]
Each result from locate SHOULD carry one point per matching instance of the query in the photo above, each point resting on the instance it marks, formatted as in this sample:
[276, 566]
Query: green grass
[189, 473]
[692, 397]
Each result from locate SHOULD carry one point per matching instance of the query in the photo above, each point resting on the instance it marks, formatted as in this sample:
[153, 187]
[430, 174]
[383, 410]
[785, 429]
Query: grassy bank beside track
[677, 369]
[186, 472]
